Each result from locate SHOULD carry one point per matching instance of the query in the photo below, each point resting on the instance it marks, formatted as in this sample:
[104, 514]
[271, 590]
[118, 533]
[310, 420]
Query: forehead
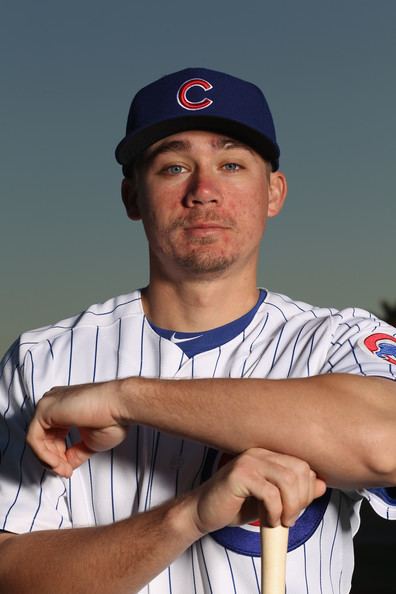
[192, 140]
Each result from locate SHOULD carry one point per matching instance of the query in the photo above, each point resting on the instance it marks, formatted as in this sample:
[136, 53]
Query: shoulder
[295, 310]
[100, 315]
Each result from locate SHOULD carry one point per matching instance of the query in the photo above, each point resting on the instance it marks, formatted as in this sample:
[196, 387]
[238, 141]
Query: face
[204, 200]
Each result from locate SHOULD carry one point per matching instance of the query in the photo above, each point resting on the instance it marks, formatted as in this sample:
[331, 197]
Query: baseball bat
[273, 559]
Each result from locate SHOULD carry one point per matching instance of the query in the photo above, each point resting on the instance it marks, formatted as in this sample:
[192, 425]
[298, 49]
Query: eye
[175, 169]
[231, 167]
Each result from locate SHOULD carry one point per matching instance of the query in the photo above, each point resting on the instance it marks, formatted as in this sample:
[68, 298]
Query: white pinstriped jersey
[115, 340]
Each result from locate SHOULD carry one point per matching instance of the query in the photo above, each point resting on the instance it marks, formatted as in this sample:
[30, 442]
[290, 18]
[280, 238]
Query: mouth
[205, 226]
[205, 229]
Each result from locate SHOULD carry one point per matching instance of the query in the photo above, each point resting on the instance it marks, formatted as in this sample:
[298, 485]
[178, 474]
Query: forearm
[342, 425]
[119, 558]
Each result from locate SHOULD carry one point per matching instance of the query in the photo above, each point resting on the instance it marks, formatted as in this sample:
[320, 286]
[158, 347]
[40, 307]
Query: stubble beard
[204, 262]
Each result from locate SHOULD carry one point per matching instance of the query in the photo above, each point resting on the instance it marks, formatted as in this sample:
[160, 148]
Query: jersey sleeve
[31, 497]
[364, 345]
[361, 344]
[383, 501]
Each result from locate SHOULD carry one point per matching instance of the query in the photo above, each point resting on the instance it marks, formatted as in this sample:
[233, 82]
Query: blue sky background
[68, 73]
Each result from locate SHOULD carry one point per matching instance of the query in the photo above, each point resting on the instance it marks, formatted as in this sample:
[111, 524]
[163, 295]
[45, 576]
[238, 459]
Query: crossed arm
[342, 426]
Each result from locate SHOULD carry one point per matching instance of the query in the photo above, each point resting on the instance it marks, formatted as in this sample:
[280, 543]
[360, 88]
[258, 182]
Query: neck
[198, 306]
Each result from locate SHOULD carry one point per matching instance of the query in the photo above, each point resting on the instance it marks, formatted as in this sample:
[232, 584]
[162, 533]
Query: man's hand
[281, 485]
[91, 408]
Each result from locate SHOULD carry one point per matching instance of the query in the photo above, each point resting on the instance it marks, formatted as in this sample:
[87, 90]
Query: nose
[202, 190]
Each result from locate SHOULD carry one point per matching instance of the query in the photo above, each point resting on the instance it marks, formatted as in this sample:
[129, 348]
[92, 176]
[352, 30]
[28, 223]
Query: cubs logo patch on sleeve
[382, 346]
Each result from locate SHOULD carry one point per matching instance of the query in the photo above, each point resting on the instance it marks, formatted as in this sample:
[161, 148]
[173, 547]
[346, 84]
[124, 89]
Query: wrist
[181, 518]
[133, 399]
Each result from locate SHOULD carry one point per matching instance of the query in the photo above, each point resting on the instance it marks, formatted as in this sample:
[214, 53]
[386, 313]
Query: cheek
[251, 213]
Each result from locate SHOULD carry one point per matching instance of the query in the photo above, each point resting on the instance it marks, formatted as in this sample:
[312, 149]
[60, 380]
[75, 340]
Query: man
[186, 407]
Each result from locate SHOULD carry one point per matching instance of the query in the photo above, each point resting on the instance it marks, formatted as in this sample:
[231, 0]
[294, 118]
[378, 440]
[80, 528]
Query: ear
[129, 196]
[277, 192]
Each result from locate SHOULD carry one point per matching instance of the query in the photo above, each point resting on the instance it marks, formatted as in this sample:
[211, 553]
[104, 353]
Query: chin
[205, 264]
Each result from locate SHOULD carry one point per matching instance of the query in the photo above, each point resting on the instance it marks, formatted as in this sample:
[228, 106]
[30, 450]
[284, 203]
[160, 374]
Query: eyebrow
[223, 142]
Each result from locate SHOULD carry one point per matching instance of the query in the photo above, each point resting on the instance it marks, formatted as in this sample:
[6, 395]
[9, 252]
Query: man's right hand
[89, 407]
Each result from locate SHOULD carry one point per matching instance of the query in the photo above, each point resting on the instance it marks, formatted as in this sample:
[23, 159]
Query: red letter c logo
[184, 102]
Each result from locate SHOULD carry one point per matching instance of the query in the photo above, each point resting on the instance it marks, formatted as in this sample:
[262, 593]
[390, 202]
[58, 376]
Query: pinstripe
[57, 505]
[310, 353]
[351, 326]
[321, 557]
[138, 486]
[181, 361]
[152, 468]
[92, 491]
[95, 354]
[8, 357]
[50, 347]
[118, 348]
[231, 572]
[277, 346]
[294, 351]
[51, 327]
[178, 468]
[205, 566]
[112, 484]
[141, 346]
[70, 500]
[289, 301]
[355, 357]
[18, 489]
[32, 379]
[199, 471]
[276, 307]
[333, 543]
[193, 569]
[110, 311]
[256, 576]
[7, 441]
[39, 502]
[217, 362]
[305, 568]
[70, 357]
[253, 343]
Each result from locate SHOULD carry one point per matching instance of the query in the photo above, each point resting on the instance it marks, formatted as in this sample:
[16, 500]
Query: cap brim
[134, 144]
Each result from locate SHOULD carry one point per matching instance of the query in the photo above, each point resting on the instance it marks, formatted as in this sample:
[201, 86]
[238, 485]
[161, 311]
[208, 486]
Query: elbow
[381, 457]
[376, 434]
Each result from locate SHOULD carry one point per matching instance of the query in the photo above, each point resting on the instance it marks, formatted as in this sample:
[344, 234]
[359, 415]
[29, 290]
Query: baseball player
[140, 438]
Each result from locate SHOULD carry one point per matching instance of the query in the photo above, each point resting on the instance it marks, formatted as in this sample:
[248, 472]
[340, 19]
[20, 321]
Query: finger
[294, 491]
[77, 454]
[49, 447]
[270, 505]
[295, 480]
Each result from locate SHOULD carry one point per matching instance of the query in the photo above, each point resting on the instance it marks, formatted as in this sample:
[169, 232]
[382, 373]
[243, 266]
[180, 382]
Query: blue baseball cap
[199, 99]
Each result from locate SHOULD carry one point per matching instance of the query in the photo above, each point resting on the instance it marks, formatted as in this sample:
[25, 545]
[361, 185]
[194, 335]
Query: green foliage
[388, 313]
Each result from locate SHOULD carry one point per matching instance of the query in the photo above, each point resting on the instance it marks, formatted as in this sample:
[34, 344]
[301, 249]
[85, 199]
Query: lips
[206, 226]
[201, 225]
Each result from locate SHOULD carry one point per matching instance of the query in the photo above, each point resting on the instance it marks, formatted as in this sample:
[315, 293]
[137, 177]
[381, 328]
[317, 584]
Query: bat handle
[273, 559]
